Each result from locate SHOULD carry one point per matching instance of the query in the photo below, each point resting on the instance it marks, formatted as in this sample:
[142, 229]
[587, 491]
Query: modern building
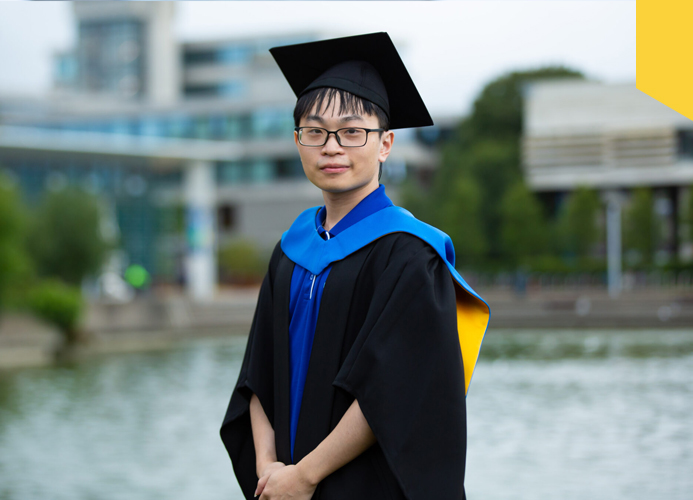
[189, 145]
[613, 138]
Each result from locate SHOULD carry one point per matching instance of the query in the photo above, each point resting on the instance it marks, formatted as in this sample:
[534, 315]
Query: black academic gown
[386, 335]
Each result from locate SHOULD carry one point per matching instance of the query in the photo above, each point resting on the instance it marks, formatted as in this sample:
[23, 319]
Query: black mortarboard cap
[365, 65]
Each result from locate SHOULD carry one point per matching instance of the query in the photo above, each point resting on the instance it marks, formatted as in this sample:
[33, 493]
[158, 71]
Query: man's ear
[296, 138]
[386, 145]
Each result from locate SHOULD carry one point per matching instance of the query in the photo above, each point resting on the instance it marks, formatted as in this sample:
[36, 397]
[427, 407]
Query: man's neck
[337, 205]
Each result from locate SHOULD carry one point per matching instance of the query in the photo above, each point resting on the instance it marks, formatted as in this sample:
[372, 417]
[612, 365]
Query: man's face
[338, 169]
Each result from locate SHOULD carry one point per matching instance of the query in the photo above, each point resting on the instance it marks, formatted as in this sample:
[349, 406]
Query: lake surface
[552, 415]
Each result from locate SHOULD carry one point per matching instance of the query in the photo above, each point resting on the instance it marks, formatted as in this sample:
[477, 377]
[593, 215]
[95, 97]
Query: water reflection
[137, 427]
[599, 415]
[567, 344]
[552, 415]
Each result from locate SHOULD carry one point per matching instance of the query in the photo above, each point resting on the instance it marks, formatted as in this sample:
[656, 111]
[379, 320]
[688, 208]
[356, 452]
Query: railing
[631, 280]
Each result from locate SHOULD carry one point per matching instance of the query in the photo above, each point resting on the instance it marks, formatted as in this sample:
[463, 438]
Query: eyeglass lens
[350, 137]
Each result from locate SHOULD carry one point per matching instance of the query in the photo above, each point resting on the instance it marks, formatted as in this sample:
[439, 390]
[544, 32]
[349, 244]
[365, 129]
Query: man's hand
[265, 474]
[287, 483]
[351, 437]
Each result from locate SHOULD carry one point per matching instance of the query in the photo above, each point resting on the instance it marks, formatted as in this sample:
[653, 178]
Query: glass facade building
[110, 56]
[107, 129]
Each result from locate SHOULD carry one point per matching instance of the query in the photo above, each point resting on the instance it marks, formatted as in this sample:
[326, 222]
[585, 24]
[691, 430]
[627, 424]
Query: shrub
[65, 239]
[242, 262]
[15, 267]
[59, 304]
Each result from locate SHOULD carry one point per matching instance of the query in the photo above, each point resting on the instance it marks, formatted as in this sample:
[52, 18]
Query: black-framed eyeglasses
[348, 137]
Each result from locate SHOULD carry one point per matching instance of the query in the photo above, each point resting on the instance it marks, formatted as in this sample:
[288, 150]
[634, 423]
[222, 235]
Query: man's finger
[261, 483]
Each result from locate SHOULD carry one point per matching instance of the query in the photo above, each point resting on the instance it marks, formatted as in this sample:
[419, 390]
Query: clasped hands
[284, 482]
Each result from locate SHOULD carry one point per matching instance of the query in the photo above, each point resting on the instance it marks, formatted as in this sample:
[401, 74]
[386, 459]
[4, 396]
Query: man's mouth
[334, 168]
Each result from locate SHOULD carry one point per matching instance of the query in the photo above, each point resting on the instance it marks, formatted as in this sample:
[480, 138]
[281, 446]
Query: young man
[365, 337]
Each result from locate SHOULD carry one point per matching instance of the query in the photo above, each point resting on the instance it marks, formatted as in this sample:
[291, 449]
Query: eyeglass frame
[327, 138]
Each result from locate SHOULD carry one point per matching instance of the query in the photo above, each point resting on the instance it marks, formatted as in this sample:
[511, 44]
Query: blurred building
[189, 145]
[613, 138]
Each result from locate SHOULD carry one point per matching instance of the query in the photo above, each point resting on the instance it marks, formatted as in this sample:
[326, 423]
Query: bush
[523, 228]
[58, 304]
[65, 239]
[242, 262]
[641, 231]
[578, 227]
[15, 266]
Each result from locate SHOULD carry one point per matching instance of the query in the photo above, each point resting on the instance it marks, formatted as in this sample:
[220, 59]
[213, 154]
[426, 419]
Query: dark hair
[324, 97]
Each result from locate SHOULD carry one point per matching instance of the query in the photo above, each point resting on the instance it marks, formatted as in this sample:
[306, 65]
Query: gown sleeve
[405, 369]
[256, 377]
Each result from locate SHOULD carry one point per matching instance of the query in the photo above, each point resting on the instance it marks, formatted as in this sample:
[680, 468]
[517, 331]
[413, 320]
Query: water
[556, 415]
[600, 415]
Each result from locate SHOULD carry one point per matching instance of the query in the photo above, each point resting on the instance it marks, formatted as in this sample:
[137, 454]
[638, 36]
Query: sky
[452, 49]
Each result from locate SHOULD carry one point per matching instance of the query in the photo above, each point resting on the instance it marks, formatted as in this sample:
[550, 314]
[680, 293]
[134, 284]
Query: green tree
[15, 266]
[58, 304]
[524, 234]
[577, 222]
[485, 146]
[460, 218]
[65, 238]
[689, 214]
[241, 261]
[641, 232]
[414, 198]
[497, 112]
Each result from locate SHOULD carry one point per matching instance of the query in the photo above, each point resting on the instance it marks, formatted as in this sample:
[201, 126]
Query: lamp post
[613, 242]
[200, 262]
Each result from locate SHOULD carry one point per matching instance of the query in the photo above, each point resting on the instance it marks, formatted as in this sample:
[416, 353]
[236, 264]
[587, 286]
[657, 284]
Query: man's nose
[332, 144]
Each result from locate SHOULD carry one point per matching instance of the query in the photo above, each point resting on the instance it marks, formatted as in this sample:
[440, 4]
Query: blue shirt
[306, 294]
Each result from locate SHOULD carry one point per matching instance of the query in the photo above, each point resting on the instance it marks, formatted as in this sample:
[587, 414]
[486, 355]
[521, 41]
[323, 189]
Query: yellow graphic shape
[664, 43]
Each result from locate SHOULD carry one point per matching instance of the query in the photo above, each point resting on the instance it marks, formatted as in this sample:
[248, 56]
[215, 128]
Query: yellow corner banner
[664, 45]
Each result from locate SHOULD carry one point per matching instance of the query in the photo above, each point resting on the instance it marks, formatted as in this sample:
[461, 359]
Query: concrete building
[613, 138]
[189, 145]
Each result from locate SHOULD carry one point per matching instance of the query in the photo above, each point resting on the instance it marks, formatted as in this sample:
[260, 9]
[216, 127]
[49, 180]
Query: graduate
[365, 337]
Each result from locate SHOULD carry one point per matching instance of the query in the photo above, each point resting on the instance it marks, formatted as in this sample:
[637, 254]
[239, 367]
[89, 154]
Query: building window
[226, 217]
[109, 56]
[232, 172]
[179, 126]
[199, 57]
[232, 89]
[290, 169]
[121, 127]
[428, 135]
[234, 54]
[66, 67]
[262, 171]
[685, 142]
[272, 122]
[152, 127]
[201, 90]
[171, 179]
[236, 127]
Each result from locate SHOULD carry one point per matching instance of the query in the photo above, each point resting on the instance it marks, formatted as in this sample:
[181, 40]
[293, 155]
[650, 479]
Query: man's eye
[315, 131]
[351, 131]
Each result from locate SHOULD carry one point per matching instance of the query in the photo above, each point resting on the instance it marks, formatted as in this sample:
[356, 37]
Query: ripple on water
[552, 415]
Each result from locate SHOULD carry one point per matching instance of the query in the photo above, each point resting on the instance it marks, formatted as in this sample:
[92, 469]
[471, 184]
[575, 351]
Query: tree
[641, 230]
[242, 262]
[578, 223]
[65, 238]
[58, 304]
[497, 112]
[689, 214]
[460, 218]
[486, 148]
[524, 233]
[15, 266]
